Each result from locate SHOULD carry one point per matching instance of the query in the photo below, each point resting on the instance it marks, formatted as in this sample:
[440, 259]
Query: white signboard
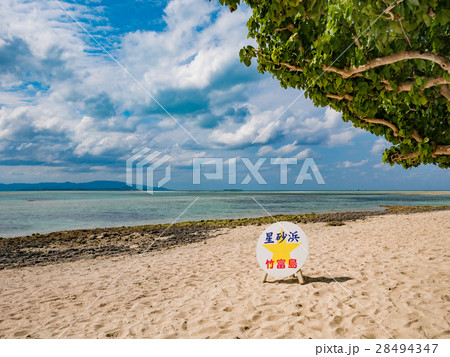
[282, 249]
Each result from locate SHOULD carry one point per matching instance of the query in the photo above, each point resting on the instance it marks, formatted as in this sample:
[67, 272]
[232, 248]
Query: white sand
[396, 268]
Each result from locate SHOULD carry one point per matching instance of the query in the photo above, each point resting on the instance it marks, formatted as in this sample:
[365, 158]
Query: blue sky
[68, 112]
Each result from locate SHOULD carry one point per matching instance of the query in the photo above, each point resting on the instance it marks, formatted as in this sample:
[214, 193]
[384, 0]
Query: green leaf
[423, 100]
[427, 19]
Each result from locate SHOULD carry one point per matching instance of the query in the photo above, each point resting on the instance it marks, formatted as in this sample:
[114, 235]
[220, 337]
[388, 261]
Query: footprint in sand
[112, 334]
[335, 321]
[20, 333]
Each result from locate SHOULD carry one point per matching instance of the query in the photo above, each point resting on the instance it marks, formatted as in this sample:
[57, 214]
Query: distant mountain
[72, 186]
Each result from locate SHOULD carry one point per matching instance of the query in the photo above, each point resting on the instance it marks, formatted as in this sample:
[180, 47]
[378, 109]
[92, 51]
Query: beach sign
[282, 249]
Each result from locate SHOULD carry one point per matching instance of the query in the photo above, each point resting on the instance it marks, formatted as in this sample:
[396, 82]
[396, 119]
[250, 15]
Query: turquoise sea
[24, 213]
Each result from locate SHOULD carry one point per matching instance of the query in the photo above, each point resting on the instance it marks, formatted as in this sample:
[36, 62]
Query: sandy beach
[378, 277]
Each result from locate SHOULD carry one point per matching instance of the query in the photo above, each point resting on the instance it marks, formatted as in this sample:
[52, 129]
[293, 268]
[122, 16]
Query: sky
[78, 98]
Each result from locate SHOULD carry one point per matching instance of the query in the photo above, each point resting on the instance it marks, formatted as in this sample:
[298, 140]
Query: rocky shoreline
[73, 245]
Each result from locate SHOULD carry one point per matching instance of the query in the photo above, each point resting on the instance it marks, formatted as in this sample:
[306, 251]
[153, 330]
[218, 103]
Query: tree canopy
[384, 64]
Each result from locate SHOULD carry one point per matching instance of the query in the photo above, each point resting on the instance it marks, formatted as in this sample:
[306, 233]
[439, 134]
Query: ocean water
[24, 213]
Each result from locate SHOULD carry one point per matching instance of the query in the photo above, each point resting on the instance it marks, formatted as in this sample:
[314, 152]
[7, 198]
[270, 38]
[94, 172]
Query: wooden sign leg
[300, 277]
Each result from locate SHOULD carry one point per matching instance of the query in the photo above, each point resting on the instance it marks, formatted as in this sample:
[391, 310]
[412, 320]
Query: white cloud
[343, 138]
[286, 151]
[167, 123]
[92, 140]
[182, 157]
[283, 150]
[379, 146]
[260, 126]
[181, 56]
[328, 129]
[383, 166]
[266, 126]
[304, 154]
[348, 164]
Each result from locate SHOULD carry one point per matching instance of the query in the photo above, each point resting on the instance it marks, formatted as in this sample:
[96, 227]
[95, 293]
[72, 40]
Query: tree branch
[396, 57]
[404, 32]
[358, 43]
[406, 86]
[445, 92]
[403, 87]
[398, 157]
[390, 15]
[440, 150]
[382, 122]
[390, 7]
[415, 135]
[340, 97]
[289, 27]
[292, 67]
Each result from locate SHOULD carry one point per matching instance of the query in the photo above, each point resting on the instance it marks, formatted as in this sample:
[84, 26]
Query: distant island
[72, 186]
